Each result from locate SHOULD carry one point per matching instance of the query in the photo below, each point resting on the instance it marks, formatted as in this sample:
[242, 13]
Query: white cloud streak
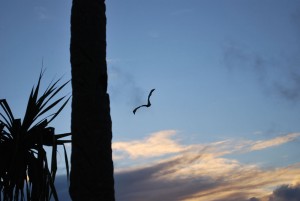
[162, 143]
[274, 142]
[157, 144]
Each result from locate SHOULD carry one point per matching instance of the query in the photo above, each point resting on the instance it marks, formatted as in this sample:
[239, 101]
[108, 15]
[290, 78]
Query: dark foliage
[24, 169]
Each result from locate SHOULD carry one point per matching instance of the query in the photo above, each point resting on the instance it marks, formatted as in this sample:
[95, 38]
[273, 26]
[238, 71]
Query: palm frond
[66, 162]
[9, 117]
[59, 110]
[32, 110]
[24, 170]
[7, 110]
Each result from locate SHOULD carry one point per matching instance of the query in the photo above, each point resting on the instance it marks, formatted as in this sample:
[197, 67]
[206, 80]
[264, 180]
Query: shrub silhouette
[24, 169]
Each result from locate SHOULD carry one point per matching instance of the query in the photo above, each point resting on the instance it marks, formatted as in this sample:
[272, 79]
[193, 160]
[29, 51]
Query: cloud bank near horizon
[199, 171]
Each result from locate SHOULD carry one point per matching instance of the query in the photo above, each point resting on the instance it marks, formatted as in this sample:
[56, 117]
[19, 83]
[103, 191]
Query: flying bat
[147, 105]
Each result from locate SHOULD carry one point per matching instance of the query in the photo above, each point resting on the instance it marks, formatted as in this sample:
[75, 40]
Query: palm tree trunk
[92, 167]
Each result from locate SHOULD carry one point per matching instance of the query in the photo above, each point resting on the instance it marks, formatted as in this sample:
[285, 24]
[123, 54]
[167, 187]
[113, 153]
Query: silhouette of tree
[24, 170]
[92, 167]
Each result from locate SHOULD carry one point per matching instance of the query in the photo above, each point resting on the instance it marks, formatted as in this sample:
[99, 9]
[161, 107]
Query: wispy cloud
[123, 86]
[163, 142]
[274, 142]
[41, 13]
[279, 75]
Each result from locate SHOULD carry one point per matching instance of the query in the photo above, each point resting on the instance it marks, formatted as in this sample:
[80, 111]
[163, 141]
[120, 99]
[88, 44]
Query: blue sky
[226, 103]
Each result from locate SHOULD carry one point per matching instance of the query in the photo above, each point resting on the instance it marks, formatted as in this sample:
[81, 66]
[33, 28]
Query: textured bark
[91, 161]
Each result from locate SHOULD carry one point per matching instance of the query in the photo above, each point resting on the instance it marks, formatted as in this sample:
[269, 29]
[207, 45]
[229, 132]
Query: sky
[223, 124]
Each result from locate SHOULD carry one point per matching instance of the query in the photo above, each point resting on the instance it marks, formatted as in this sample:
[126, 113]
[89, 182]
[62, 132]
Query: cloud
[197, 172]
[162, 143]
[157, 182]
[286, 193]
[166, 181]
[157, 144]
[123, 86]
[254, 199]
[291, 88]
[41, 13]
[280, 75]
[274, 142]
[194, 177]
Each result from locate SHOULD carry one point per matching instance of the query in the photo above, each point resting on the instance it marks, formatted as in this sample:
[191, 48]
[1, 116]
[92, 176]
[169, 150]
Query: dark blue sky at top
[179, 47]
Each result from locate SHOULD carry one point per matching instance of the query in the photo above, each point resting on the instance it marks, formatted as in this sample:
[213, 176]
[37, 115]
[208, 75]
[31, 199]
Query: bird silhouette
[147, 105]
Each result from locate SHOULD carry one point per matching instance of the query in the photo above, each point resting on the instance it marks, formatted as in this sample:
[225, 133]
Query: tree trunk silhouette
[92, 167]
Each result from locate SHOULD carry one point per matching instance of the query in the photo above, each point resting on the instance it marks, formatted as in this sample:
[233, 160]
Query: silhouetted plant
[24, 170]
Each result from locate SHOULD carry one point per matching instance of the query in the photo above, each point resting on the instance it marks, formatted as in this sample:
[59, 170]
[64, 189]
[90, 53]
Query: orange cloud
[157, 144]
[193, 176]
[199, 171]
[274, 142]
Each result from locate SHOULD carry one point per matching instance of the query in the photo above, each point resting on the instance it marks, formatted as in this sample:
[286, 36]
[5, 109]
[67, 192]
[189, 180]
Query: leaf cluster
[24, 169]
